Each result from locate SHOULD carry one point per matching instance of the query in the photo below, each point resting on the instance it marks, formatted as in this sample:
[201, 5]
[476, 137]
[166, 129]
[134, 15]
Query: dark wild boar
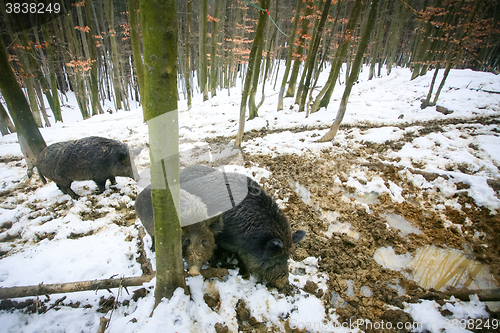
[253, 225]
[198, 234]
[92, 158]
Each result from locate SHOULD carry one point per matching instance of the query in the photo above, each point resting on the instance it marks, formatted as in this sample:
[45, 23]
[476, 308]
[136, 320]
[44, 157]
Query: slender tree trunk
[259, 37]
[213, 49]
[123, 85]
[221, 41]
[92, 55]
[43, 111]
[323, 98]
[395, 35]
[30, 91]
[203, 61]
[20, 112]
[108, 9]
[365, 37]
[159, 27]
[3, 126]
[300, 50]
[7, 123]
[268, 58]
[134, 18]
[78, 81]
[453, 57]
[380, 35]
[250, 71]
[312, 54]
[426, 103]
[53, 80]
[37, 72]
[323, 55]
[104, 53]
[439, 60]
[46, 73]
[232, 46]
[298, 94]
[187, 75]
[423, 48]
[290, 54]
[23, 59]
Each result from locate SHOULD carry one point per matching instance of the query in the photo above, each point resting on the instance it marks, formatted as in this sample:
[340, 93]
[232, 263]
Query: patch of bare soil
[39, 305]
[8, 159]
[345, 258]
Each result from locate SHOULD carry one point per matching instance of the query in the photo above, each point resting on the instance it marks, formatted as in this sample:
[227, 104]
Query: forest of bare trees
[94, 49]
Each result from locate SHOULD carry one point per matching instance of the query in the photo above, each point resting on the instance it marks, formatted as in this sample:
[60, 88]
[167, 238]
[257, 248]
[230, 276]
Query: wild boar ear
[273, 246]
[215, 223]
[298, 235]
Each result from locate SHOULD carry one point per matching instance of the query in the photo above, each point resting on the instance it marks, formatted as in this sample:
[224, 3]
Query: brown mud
[344, 258]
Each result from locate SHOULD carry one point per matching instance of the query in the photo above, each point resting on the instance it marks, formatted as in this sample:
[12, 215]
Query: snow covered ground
[46, 237]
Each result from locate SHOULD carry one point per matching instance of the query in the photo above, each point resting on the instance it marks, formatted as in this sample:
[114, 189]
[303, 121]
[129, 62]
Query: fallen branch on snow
[485, 295]
[58, 288]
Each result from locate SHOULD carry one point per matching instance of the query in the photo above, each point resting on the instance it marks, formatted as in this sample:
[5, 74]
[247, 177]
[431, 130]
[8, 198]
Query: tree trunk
[323, 98]
[187, 74]
[8, 126]
[159, 27]
[290, 55]
[298, 93]
[250, 71]
[53, 80]
[436, 42]
[230, 63]
[92, 55]
[89, 82]
[258, 42]
[46, 73]
[365, 37]
[300, 50]
[134, 18]
[447, 69]
[380, 35]
[37, 72]
[457, 50]
[324, 53]
[22, 56]
[3, 128]
[425, 103]
[124, 84]
[74, 49]
[30, 90]
[312, 54]
[203, 61]
[19, 111]
[108, 9]
[424, 45]
[395, 35]
[268, 58]
[39, 94]
[213, 49]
